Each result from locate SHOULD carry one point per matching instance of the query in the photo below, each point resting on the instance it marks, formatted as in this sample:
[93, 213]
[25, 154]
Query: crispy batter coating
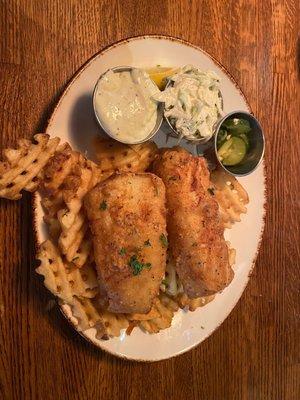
[127, 217]
[195, 231]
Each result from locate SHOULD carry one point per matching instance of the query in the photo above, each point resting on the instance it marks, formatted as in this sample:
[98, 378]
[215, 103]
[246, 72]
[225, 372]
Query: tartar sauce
[125, 106]
[192, 103]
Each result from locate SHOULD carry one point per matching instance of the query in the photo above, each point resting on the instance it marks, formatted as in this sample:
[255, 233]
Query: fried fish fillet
[127, 217]
[196, 239]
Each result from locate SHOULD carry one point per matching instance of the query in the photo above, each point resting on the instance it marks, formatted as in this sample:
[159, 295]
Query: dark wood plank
[255, 354]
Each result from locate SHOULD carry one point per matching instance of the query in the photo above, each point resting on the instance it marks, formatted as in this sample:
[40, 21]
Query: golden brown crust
[127, 216]
[196, 238]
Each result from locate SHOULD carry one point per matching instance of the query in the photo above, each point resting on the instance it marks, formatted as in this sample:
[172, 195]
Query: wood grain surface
[255, 354]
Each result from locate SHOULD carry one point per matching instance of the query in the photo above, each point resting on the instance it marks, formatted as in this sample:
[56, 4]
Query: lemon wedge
[159, 75]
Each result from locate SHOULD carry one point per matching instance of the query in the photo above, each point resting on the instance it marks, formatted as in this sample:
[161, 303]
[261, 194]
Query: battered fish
[127, 217]
[196, 234]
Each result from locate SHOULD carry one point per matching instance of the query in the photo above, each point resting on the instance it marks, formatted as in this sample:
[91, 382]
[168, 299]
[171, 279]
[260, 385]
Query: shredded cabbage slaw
[193, 103]
[171, 283]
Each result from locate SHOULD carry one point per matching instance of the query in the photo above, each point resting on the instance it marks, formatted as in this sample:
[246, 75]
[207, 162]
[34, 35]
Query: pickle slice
[224, 150]
[234, 152]
[246, 140]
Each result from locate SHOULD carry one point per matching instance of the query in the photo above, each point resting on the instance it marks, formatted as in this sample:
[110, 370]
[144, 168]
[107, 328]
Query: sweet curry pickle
[233, 141]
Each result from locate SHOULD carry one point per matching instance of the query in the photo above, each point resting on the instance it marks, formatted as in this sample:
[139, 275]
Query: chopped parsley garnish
[211, 191]
[103, 205]
[147, 243]
[122, 251]
[163, 239]
[137, 266]
[164, 282]
[75, 258]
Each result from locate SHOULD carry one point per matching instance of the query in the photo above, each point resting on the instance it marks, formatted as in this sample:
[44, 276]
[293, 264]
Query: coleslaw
[193, 103]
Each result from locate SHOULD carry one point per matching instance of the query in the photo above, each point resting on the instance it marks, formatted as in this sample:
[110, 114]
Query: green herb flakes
[147, 243]
[137, 266]
[211, 191]
[122, 251]
[103, 205]
[163, 239]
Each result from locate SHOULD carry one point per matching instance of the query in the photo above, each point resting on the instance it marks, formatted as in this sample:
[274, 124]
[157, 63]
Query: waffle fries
[89, 315]
[83, 281]
[165, 308]
[58, 168]
[86, 315]
[230, 195]
[54, 272]
[118, 157]
[22, 167]
[67, 178]
[66, 261]
[113, 324]
[192, 304]
[61, 279]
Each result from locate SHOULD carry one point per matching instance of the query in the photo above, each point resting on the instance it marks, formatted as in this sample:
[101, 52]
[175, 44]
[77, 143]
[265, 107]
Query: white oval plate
[73, 121]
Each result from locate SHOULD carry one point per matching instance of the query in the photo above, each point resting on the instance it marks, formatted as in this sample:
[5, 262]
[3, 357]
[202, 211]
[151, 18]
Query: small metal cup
[159, 118]
[175, 134]
[256, 151]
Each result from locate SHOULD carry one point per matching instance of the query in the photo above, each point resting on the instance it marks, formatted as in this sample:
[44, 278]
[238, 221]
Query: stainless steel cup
[255, 153]
[159, 118]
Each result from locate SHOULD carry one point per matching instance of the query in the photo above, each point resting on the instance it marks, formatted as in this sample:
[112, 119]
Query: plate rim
[34, 199]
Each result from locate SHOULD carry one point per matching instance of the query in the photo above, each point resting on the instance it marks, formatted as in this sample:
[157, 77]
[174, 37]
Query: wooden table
[255, 353]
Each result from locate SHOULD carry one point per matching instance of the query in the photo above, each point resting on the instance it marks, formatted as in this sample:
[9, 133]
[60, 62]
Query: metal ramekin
[174, 133]
[159, 118]
[254, 155]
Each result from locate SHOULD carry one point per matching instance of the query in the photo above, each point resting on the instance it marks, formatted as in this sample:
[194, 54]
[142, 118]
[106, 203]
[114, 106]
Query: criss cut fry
[74, 228]
[230, 195]
[88, 315]
[192, 304]
[113, 324]
[54, 227]
[72, 241]
[63, 280]
[118, 157]
[232, 254]
[77, 184]
[165, 307]
[83, 281]
[84, 253]
[58, 168]
[67, 177]
[153, 313]
[51, 205]
[146, 152]
[54, 272]
[113, 156]
[21, 167]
